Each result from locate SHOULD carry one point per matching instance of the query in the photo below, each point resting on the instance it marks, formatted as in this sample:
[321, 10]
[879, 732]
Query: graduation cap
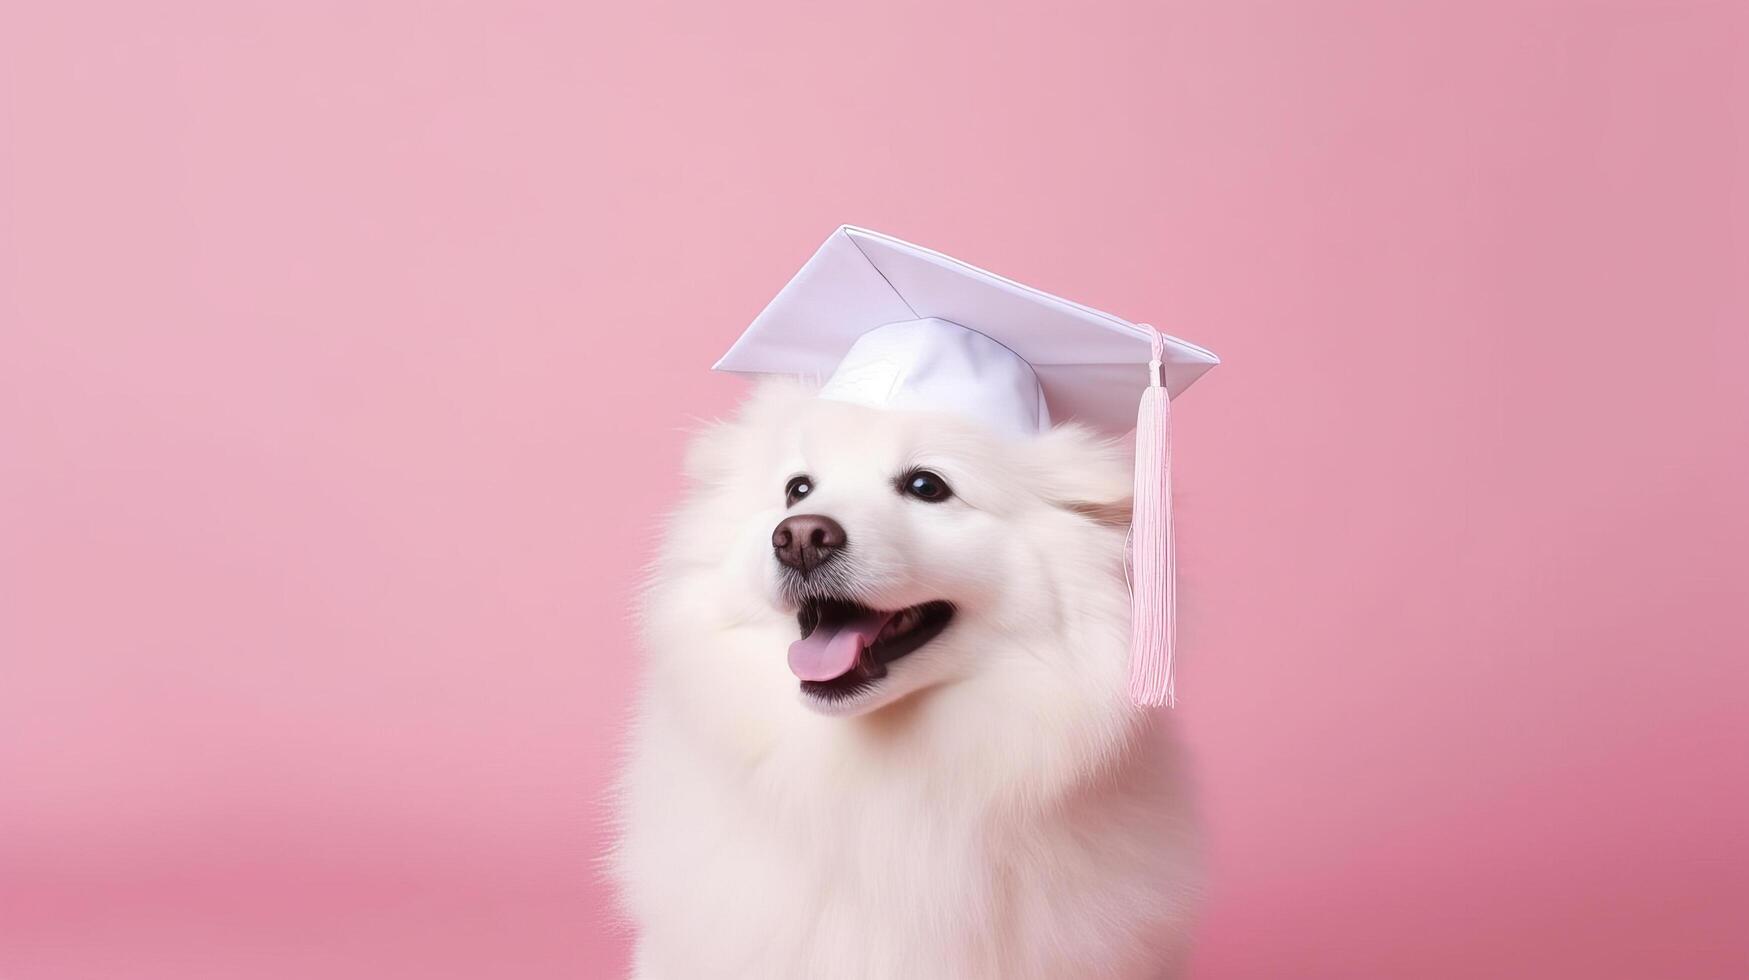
[888, 324]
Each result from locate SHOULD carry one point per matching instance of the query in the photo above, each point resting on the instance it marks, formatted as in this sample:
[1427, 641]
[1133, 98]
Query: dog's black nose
[806, 541]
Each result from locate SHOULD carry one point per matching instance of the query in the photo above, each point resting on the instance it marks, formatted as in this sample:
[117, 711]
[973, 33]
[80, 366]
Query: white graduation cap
[888, 324]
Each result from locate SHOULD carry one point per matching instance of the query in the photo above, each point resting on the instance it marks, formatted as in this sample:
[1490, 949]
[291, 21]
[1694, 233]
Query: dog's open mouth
[845, 647]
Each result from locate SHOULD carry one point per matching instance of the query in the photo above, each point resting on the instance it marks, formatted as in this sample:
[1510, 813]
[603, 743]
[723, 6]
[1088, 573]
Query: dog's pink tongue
[830, 652]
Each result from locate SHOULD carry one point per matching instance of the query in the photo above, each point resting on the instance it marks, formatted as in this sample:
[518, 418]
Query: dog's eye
[797, 488]
[925, 485]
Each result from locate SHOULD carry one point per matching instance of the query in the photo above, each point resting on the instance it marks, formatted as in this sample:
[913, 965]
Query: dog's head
[901, 552]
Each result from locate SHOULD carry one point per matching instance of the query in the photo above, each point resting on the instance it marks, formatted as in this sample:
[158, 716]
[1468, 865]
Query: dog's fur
[994, 808]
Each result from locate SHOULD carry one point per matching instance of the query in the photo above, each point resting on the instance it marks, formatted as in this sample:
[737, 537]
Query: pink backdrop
[346, 348]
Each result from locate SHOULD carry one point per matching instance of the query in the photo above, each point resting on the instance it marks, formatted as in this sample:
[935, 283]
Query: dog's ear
[719, 450]
[1084, 473]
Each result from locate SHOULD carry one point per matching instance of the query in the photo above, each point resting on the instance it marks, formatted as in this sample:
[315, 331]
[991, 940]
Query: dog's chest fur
[871, 869]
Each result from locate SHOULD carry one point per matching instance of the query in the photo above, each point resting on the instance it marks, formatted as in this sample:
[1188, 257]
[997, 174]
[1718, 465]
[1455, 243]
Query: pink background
[345, 352]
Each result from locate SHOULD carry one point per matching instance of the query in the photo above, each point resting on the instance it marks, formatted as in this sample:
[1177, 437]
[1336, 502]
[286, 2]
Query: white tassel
[1153, 560]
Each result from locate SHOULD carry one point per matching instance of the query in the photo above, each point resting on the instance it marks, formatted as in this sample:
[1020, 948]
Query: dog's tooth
[868, 668]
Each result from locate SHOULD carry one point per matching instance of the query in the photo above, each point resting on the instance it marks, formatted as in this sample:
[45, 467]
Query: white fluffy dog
[959, 787]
